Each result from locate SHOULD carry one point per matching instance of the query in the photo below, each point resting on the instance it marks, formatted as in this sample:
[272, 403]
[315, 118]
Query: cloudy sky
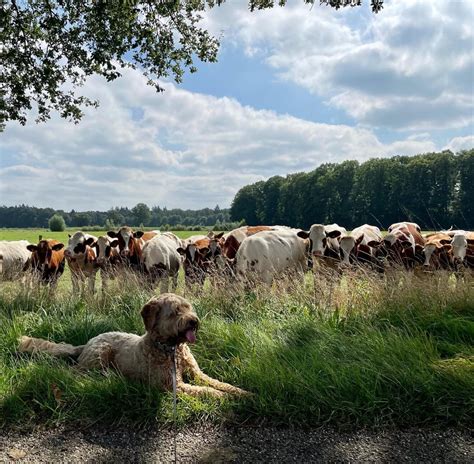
[294, 87]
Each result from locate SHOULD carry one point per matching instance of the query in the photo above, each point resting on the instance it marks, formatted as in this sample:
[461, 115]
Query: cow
[234, 238]
[403, 245]
[360, 246]
[14, 256]
[108, 258]
[267, 254]
[161, 260]
[463, 249]
[130, 244]
[323, 244]
[438, 251]
[47, 261]
[201, 254]
[82, 260]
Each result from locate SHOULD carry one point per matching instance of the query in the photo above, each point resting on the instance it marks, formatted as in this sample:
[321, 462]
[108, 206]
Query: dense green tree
[141, 214]
[50, 47]
[56, 223]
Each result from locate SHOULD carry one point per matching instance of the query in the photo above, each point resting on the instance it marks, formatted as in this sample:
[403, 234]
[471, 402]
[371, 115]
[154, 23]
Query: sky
[293, 88]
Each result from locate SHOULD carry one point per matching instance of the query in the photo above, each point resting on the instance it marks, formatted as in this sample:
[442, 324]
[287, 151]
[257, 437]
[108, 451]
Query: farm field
[365, 351]
[32, 234]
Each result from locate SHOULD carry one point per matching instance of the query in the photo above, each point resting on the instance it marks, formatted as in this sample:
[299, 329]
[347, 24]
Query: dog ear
[149, 313]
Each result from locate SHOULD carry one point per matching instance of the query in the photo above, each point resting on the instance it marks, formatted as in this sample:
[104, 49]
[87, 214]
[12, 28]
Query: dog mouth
[190, 332]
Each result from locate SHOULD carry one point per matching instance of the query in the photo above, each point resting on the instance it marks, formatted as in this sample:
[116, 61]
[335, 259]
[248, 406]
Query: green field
[32, 235]
[363, 351]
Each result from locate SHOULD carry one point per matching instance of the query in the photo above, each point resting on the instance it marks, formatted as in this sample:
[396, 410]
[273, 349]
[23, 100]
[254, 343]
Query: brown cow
[438, 251]
[47, 261]
[402, 245]
[233, 239]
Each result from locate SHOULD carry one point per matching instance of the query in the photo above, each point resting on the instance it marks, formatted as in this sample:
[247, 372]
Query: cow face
[318, 238]
[43, 253]
[348, 246]
[78, 244]
[127, 240]
[459, 244]
[104, 246]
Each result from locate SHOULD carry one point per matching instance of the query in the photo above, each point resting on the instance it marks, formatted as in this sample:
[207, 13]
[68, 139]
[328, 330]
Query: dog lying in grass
[170, 321]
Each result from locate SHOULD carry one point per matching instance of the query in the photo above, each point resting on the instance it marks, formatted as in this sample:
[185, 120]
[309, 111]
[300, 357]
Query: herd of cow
[249, 253]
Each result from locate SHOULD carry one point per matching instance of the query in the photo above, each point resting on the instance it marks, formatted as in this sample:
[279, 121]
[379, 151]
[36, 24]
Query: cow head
[43, 253]
[348, 246]
[127, 240]
[318, 238]
[78, 243]
[104, 247]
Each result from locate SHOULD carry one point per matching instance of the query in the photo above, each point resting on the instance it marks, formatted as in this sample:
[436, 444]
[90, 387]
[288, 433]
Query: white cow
[161, 260]
[269, 253]
[13, 258]
[360, 241]
[81, 257]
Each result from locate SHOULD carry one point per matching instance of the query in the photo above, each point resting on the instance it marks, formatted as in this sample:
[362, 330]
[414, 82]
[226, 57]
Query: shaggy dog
[170, 321]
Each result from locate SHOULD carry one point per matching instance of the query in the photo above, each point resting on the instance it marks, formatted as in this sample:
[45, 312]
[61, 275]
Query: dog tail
[35, 345]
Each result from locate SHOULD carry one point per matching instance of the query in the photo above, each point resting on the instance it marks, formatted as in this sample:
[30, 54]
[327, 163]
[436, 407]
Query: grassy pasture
[32, 234]
[365, 351]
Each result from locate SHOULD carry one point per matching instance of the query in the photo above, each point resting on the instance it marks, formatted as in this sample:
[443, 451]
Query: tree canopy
[434, 189]
[50, 47]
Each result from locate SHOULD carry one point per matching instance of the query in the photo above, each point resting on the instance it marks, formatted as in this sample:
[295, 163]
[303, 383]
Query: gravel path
[208, 444]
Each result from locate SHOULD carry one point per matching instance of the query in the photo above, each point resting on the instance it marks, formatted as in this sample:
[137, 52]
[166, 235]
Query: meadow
[364, 351]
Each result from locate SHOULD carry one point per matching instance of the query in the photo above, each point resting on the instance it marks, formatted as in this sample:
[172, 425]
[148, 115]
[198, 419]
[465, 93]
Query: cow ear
[445, 241]
[447, 247]
[112, 234]
[204, 251]
[406, 244]
[374, 243]
[181, 251]
[303, 234]
[114, 243]
[138, 234]
[359, 240]
[219, 235]
[333, 234]
[90, 241]
[58, 246]
[31, 248]
[470, 241]
[418, 247]
[149, 313]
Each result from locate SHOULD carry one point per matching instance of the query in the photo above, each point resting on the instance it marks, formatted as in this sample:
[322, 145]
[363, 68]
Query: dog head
[170, 319]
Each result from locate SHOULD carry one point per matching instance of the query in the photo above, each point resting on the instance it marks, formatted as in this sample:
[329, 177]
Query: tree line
[436, 190]
[140, 215]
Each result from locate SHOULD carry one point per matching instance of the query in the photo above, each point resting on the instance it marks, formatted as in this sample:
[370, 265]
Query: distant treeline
[140, 215]
[435, 190]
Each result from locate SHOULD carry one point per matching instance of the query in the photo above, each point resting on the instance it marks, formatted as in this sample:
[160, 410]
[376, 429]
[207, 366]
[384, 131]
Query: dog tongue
[191, 336]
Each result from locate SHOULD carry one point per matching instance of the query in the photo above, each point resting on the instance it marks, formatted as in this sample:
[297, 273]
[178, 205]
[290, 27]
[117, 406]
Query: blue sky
[294, 87]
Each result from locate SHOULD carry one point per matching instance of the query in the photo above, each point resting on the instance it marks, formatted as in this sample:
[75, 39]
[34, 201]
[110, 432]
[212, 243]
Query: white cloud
[184, 150]
[460, 143]
[409, 67]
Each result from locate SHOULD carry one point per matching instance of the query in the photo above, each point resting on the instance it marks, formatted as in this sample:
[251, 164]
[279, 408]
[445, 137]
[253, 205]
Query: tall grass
[363, 351]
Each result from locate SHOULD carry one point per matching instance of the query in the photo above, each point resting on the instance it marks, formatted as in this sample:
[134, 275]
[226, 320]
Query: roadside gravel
[209, 444]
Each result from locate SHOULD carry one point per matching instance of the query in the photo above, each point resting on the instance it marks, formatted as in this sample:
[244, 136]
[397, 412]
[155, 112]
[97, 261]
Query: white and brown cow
[108, 258]
[268, 254]
[14, 256]
[47, 261]
[438, 251]
[81, 258]
[403, 245]
[161, 260]
[324, 244]
[130, 244]
[360, 246]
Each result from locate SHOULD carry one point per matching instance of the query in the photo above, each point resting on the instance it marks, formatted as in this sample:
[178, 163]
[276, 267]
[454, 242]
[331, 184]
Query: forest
[436, 190]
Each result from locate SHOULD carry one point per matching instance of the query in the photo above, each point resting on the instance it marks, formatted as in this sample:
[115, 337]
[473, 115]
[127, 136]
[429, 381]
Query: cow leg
[75, 283]
[92, 283]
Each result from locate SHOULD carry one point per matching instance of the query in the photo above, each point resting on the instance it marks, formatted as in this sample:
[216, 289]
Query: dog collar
[168, 349]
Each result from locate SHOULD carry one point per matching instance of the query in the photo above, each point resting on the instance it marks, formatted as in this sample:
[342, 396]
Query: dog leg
[194, 390]
[192, 367]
